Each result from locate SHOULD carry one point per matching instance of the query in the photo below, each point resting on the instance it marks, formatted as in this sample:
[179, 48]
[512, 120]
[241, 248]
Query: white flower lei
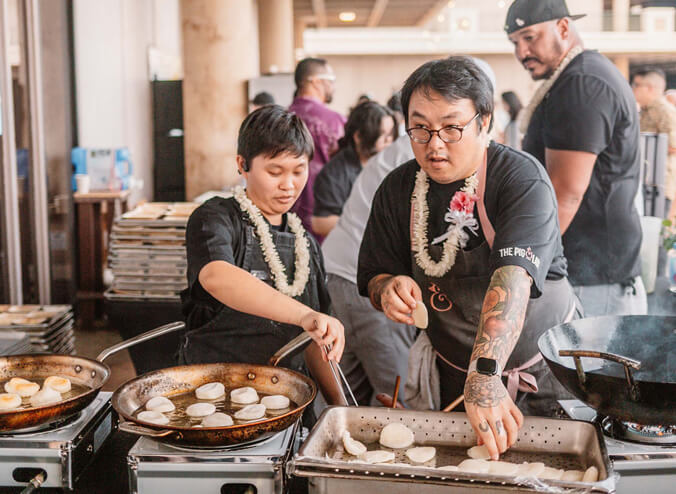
[270, 254]
[420, 216]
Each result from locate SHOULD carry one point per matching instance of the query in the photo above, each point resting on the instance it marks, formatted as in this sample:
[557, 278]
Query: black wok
[622, 366]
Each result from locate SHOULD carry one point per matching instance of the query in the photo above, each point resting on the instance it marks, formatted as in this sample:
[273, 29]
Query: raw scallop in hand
[353, 446]
[419, 315]
[396, 436]
[479, 452]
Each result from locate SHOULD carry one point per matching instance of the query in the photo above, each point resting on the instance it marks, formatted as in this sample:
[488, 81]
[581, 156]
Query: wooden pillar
[219, 56]
[275, 36]
[620, 15]
[622, 63]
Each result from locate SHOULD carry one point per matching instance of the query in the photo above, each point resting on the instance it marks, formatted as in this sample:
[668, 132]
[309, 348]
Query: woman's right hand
[327, 332]
[398, 296]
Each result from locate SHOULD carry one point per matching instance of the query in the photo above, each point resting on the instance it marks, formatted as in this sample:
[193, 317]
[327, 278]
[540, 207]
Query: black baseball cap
[524, 13]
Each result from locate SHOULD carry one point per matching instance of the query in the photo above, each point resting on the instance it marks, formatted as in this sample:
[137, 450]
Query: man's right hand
[326, 331]
[397, 295]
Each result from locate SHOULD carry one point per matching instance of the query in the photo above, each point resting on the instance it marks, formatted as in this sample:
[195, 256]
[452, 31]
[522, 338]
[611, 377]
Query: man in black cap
[583, 125]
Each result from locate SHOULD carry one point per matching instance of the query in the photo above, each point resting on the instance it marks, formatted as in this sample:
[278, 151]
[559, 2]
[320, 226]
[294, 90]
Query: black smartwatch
[485, 366]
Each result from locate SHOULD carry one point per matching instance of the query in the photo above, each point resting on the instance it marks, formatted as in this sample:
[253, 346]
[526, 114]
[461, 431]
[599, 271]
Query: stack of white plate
[147, 252]
[49, 328]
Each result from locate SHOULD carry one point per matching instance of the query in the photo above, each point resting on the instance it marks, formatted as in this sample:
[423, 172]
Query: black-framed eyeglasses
[449, 135]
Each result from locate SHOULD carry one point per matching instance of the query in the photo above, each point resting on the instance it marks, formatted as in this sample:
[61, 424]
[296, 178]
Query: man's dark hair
[513, 103]
[263, 98]
[646, 71]
[454, 78]
[306, 68]
[270, 131]
[365, 118]
[394, 103]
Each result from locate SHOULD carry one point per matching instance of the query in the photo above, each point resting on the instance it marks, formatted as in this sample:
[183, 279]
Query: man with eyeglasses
[469, 229]
[315, 84]
[582, 125]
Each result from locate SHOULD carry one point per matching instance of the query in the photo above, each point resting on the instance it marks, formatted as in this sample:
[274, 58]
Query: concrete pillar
[298, 40]
[620, 15]
[622, 63]
[220, 45]
[275, 35]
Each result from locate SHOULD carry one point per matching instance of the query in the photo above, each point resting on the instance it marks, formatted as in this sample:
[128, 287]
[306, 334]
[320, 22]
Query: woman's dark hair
[263, 98]
[365, 118]
[270, 131]
[454, 78]
[513, 103]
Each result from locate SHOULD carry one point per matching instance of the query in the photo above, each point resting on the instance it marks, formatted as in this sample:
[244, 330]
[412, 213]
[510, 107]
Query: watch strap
[472, 367]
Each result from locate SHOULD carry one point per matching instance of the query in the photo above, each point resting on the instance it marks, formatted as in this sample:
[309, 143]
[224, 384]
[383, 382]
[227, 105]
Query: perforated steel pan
[268, 379]
[622, 366]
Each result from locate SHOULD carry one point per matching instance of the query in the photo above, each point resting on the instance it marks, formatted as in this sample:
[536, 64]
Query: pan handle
[626, 362]
[133, 428]
[291, 346]
[148, 335]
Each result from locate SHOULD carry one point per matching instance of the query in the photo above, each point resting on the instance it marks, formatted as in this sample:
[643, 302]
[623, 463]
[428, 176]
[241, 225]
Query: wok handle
[133, 428]
[299, 341]
[148, 335]
[626, 362]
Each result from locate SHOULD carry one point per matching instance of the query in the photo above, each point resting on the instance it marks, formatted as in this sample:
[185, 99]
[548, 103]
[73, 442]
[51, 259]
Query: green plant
[668, 235]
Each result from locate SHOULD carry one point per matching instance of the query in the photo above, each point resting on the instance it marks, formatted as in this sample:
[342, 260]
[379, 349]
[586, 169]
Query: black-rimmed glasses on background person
[449, 135]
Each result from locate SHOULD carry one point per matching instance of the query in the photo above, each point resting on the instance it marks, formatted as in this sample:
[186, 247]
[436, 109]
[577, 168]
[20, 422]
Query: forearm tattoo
[484, 391]
[502, 314]
[375, 289]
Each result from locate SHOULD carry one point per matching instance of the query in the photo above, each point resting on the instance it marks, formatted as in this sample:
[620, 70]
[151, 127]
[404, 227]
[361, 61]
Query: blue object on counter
[109, 169]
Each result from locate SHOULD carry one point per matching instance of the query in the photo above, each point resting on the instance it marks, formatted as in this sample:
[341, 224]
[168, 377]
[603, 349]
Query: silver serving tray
[567, 444]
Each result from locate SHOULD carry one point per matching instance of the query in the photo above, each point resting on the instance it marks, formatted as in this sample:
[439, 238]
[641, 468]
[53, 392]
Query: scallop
[352, 446]
[22, 387]
[572, 475]
[153, 417]
[200, 409]
[210, 391]
[419, 315]
[275, 402]
[448, 468]
[218, 419]
[46, 396]
[530, 469]
[474, 466]
[502, 468]
[421, 455]
[551, 473]
[160, 404]
[591, 475]
[244, 396]
[378, 456]
[251, 412]
[58, 383]
[479, 452]
[396, 436]
[9, 401]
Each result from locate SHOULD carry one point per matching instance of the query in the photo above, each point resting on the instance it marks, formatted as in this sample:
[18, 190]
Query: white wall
[114, 101]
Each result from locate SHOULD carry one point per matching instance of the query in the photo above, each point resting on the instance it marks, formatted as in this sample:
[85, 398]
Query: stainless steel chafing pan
[565, 444]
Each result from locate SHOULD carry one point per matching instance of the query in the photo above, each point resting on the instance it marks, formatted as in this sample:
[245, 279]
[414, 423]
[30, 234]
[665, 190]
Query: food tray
[130, 295]
[567, 444]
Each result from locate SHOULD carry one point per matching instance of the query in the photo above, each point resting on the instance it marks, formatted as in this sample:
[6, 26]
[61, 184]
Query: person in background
[582, 125]
[369, 129]
[658, 116]
[314, 90]
[261, 99]
[363, 98]
[512, 105]
[394, 104]
[255, 278]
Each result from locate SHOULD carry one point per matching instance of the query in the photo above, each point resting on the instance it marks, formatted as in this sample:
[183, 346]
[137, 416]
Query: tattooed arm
[493, 414]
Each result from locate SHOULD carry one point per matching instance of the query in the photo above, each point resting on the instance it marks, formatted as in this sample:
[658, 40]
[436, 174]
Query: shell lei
[420, 217]
[301, 248]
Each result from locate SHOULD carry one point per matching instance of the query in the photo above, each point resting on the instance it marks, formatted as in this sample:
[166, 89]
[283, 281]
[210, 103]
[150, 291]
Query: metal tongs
[336, 370]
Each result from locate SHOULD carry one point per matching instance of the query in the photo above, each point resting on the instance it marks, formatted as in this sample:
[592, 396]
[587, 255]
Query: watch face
[486, 366]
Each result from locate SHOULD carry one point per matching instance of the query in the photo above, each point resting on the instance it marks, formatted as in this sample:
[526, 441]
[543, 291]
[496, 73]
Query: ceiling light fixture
[347, 16]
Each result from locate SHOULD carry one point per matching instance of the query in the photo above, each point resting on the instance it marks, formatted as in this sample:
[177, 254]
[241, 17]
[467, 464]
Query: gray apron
[233, 336]
[454, 304]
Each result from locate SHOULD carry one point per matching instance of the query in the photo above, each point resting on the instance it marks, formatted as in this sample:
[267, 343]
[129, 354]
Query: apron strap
[486, 226]
[517, 378]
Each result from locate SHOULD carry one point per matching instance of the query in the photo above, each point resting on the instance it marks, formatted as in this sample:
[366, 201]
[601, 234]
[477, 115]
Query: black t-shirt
[520, 204]
[334, 183]
[216, 231]
[591, 108]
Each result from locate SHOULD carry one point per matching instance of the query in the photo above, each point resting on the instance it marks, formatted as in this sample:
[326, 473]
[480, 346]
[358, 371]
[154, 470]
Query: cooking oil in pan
[178, 418]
